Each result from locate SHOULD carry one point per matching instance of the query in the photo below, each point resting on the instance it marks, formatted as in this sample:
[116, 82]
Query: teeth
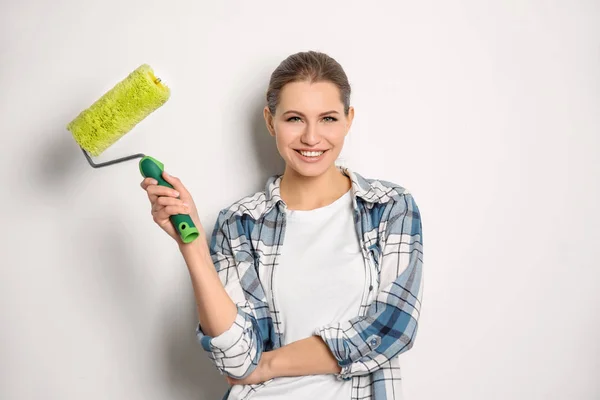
[311, 153]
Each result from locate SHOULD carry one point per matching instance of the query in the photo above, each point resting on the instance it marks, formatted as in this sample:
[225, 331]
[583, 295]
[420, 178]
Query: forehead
[310, 96]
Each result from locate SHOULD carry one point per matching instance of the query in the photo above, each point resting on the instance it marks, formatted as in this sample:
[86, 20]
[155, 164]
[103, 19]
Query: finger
[159, 190]
[170, 201]
[148, 185]
[165, 212]
[156, 191]
[155, 208]
[159, 214]
[176, 206]
[163, 202]
[147, 182]
[175, 182]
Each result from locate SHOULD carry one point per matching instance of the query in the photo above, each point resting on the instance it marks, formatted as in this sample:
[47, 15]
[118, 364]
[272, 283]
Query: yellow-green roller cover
[119, 110]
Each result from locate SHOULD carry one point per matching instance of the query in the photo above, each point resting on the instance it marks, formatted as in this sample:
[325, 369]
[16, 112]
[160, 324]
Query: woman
[311, 288]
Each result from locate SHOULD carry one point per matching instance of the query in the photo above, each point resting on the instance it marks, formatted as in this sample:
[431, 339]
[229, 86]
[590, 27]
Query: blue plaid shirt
[245, 246]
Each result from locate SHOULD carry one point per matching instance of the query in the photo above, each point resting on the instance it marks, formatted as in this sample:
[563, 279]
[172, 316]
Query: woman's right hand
[165, 202]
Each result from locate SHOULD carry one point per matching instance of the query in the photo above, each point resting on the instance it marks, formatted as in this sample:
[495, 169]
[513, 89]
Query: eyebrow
[320, 115]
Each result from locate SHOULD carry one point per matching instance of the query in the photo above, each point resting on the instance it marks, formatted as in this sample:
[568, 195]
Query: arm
[309, 356]
[216, 311]
[229, 326]
[363, 344]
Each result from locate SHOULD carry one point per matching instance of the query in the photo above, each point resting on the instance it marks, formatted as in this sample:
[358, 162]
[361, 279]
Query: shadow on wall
[265, 146]
[57, 167]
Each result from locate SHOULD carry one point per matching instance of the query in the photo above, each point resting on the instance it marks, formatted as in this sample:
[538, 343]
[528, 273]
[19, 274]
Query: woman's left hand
[261, 374]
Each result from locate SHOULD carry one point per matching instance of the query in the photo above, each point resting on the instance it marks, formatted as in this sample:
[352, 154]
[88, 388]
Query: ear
[269, 120]
[349, 118]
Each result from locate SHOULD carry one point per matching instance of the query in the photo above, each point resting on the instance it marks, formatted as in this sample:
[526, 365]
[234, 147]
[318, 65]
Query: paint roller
[117, 112]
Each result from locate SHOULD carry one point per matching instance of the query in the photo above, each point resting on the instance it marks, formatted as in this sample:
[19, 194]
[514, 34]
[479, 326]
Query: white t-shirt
[319, 280]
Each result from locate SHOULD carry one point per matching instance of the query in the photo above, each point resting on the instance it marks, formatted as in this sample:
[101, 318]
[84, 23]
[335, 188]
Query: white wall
[487, 111]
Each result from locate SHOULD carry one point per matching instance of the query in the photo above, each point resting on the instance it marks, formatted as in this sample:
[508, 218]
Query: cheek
[286, 134]
[335, 133]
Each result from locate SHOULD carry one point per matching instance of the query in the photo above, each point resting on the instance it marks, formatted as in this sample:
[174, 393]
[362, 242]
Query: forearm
[216, 310]
[309, 356]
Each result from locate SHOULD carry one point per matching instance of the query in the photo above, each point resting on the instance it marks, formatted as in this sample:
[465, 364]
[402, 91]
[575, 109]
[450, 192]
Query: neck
[309, 192]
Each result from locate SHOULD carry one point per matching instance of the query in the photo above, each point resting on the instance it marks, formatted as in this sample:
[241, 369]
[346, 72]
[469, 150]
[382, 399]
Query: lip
[311, 159]
[311, 150]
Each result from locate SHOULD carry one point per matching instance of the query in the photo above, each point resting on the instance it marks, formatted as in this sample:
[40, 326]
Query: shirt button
[373, 342]
[370, 287]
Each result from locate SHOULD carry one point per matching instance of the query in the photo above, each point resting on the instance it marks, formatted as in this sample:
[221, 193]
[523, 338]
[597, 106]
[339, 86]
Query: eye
[293, 119]
[330, 119]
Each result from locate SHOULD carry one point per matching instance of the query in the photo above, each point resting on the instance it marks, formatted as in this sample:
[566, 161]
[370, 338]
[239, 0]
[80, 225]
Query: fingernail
[176, 193]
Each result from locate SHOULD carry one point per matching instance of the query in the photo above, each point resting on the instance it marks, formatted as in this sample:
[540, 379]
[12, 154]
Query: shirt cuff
[347, 349]
[223, 342]
[235, 350]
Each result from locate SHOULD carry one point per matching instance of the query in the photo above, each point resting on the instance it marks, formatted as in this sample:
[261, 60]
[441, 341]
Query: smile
[311, 156]
[310, 153]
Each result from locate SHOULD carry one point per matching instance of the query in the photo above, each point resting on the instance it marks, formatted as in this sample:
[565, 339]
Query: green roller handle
[150, 167]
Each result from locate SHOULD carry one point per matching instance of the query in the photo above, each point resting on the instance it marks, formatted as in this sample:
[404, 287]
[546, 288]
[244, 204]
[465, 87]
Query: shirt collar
[362, 188]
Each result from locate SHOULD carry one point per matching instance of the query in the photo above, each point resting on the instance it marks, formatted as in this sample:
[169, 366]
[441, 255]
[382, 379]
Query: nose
[310, 136]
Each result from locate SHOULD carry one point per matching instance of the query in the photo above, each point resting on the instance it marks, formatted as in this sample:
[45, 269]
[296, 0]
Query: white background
[488, 112]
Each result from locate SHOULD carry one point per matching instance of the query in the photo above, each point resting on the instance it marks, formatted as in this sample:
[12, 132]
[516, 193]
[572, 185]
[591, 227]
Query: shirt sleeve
[236, 351]
[364, 344]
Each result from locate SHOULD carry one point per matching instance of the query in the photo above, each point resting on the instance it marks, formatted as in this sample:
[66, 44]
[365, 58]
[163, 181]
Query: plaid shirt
[245, 246]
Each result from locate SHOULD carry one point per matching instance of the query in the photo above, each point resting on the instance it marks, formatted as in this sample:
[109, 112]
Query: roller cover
[119, 110]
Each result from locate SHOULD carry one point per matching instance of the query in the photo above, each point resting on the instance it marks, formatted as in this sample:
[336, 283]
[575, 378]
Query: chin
[311, 170]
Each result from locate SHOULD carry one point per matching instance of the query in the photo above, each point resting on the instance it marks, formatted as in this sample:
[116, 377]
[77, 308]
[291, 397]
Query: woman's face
[309, 126]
